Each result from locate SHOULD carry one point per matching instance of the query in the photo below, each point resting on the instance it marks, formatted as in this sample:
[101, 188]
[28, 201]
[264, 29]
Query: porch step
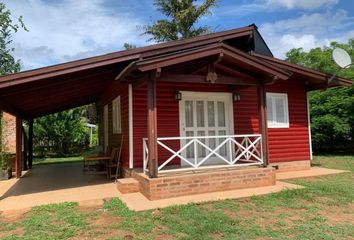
[128, 185]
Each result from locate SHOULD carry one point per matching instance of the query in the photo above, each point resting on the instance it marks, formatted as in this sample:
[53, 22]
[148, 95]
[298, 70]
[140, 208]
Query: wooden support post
[262, 120]
[30, 143]
[152, 126]
[24, 149]
[18, 166]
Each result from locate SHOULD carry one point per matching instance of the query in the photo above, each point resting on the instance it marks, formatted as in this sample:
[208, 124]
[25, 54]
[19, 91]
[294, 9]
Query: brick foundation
[292, 166]
[211, 181]
[9, 132]
[126, 172]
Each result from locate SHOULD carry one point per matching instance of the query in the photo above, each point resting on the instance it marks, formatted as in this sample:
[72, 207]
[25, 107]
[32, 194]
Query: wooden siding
[285, 144]
[246, 112]
[290, 144]
[110, 94]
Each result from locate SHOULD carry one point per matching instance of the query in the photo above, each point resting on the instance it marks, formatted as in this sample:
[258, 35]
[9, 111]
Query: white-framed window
[116, 115]
[277, 110]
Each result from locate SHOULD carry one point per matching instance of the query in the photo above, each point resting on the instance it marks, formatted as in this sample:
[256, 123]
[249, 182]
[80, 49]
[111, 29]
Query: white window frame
[105, 125]
[274, 123]
[116, 116]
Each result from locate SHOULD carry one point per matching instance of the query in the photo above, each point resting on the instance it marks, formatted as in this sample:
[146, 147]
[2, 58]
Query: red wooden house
[218, 104]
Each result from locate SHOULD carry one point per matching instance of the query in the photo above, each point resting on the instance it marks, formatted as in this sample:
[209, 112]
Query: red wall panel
[289, 144]
[246, 112]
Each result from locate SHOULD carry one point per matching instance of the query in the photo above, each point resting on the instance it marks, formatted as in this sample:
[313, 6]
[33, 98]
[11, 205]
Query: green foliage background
[8, 64]
[8, 26]
[332, 110]
[61, 133]
[182, 16]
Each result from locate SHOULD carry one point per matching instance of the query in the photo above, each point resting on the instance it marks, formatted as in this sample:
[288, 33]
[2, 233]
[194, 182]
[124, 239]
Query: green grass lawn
[322, 210]
[59, 160]
[56, 160]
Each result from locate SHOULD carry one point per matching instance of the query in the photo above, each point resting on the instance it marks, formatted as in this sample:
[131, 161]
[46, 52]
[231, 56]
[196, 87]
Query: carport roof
[47, 90]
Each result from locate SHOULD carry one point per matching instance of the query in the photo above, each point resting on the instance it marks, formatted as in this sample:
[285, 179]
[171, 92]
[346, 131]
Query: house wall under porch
[245, 114]
[113, 92]
[285, 144]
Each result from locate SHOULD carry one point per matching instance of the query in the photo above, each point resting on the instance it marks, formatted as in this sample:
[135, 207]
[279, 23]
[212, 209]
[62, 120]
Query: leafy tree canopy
[64, 132]
[332, 111]
[8, 26]
[182, 16]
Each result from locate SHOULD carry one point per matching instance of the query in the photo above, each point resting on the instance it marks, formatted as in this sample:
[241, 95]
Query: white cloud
[307, 31]
[261, 6]
[66, 30]
[302, 4]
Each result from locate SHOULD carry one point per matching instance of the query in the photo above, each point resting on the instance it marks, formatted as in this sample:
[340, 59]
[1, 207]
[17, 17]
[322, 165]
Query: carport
[35, 93]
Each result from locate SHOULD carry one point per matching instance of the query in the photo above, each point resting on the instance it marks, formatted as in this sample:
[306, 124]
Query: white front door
[205, 114]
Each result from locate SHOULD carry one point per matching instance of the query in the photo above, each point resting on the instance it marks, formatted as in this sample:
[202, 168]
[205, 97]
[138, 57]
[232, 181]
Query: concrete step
[128, 185]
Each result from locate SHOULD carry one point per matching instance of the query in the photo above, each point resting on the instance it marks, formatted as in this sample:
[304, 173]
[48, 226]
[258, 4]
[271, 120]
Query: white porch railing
[199, 152]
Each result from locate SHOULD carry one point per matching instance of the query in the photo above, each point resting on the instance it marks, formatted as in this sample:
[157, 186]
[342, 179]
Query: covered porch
[192, 99]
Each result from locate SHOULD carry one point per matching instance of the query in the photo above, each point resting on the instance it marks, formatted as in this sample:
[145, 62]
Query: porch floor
[313, 172]
[55, 183]
[47, 184]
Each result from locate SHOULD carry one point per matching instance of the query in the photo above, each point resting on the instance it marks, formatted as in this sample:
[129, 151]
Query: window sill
[278, 126]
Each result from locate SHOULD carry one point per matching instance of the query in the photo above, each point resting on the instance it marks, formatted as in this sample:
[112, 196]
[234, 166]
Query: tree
[128, 46]
[182, 16]
[8, 26]
[63, 133]
[332, 110]
[8, 64]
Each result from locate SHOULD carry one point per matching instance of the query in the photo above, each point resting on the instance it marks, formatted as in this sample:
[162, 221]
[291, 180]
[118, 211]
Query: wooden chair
[99, 160]
[115, 163]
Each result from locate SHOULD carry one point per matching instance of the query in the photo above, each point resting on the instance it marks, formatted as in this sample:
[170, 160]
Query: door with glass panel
[205, 114]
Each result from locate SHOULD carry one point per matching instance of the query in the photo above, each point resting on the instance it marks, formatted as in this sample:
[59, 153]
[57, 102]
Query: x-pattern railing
[245, 149]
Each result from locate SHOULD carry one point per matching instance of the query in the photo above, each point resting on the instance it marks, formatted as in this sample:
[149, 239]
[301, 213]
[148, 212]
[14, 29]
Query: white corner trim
[130, 110]
[309, 123]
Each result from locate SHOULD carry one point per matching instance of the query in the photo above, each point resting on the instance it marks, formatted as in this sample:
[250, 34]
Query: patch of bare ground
[103, 234]
[164, 237]
[217, 236]
[159, 233]
[271, 218]
[14, 215]
[100, 222]
[17, 232]
[105, 220]
[338, 215]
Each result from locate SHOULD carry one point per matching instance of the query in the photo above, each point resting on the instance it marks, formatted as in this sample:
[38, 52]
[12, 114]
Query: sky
[66, 30]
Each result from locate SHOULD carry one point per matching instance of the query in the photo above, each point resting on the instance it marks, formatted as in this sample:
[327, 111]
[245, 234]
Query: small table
[90, 163]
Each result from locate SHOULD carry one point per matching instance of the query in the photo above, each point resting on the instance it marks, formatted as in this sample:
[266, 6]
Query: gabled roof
[128, 55]
[228, 53]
